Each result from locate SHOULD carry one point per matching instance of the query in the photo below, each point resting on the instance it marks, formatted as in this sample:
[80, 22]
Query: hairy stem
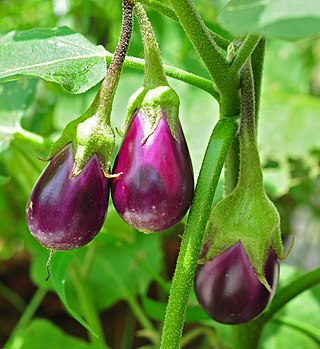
[244, 52]
[233, 161]
[102, 104]
[169, 12]
[154, 73]
[217, 149]
[226, 81]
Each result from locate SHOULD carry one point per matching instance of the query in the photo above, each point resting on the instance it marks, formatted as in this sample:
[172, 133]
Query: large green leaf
[292, 20]
[59, 55]
[15, 97]
[42, 333]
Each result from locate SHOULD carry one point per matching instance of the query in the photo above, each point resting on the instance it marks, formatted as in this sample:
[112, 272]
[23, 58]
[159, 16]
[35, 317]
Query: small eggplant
[228, 288]
[155, 189]
[65, 212]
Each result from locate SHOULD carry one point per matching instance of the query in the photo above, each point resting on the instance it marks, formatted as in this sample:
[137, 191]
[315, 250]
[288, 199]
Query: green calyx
[89, 135]
[154, 104]
[247, 216]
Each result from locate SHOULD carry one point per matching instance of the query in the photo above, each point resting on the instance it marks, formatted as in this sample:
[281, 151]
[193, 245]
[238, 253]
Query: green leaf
[15, 97]
[59, 266]
[121, 266]
[59, 55]
[291, 20]
[42, 333]
[121, 269]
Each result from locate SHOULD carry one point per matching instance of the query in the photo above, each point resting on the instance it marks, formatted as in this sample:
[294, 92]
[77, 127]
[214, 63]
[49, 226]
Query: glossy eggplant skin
[156, 187]
[65, 213]
[228, 288]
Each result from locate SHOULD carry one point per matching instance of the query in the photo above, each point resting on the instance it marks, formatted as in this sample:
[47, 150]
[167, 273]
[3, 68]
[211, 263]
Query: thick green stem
[178, 74]
[226, 81]
[247, 336]
[154, 73]
[168, 12]
[217, 149]
[244, 52]
[102, 104]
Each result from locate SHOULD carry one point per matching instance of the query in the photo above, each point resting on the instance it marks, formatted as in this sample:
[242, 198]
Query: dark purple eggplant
[228, 288]
[64, 213]
[155, 189]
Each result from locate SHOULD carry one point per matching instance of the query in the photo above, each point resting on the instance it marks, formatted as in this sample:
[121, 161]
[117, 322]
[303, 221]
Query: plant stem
[290, 291]
[168, 12]
[12, 297]
[303, 327]
[139, 314]
[247, 336]
[29, 312]
[226, 81]
[244, 52]
[102, 104]
[217, 149]
[257, 60]
[154, 73]
[178, 74]
[232, 164]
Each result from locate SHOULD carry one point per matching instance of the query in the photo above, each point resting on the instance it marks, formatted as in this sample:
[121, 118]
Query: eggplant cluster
[152, 184]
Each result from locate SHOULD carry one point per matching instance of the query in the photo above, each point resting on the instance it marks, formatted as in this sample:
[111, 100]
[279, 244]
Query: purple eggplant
[64, 213]
[228, 288]
[155, 188]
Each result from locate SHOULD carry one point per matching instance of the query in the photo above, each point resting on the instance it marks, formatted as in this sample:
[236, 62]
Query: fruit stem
[250, 175]
[102, 104]
[154, 73]
[216, 152]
